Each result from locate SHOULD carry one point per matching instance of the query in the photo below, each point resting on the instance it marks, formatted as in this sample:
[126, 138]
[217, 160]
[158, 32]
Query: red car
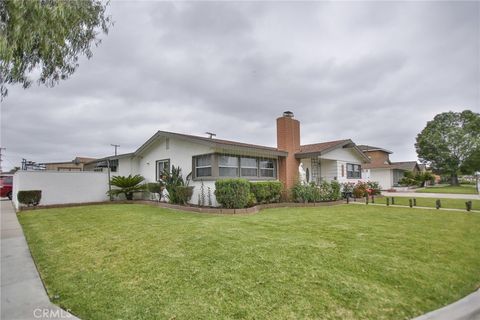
[6, 186]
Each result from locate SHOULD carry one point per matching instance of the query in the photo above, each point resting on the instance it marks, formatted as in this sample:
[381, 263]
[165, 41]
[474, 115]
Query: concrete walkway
[432, 195]
[22, 293]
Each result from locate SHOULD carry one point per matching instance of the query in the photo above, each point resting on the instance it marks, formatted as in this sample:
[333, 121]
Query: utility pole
[1, 158]
[109, 181]
[115, 146]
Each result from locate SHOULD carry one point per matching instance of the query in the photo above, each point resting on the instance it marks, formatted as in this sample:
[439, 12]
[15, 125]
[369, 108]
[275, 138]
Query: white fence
[62, 187]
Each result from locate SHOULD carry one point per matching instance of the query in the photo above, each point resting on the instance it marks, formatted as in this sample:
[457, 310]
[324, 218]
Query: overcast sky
[373, 72]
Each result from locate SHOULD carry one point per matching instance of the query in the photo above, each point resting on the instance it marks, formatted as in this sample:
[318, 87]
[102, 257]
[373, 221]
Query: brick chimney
[288, 139]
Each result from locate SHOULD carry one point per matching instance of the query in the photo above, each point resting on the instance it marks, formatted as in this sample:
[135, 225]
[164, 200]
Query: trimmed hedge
[266, 191]
[233, 193]
[29, 197]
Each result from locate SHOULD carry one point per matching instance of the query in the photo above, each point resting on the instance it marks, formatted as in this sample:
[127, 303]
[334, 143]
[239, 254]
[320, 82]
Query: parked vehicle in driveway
[6, 183]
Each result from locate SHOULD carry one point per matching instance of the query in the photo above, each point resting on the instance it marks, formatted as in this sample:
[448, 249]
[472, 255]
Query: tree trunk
[454, 179]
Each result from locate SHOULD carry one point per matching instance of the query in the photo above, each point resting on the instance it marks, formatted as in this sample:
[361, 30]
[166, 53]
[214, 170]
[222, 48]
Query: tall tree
[48, 37]
[448, 141]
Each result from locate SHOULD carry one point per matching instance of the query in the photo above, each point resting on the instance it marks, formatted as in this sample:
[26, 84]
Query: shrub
[252, 200]
[360, 189]
[416, 179]
[347, 189]
[335, 190]
[180, 194]
[178, 191]
[154, 187]
[232, 193]
[267, 191]
[326, 191]
[302, 192]
[29, 197]
[127, 185]
[374, 187]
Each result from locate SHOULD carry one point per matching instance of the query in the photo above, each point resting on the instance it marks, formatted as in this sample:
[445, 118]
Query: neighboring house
[204, 160]
[382, 170]
[76, 164]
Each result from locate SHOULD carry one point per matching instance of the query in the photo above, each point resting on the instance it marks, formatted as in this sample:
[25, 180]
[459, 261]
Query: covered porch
[318, 169]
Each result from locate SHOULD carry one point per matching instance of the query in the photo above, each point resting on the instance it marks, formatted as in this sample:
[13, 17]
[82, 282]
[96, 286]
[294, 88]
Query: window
[113, 165]
[161, 166]
[248, 167]
[203, 166]
[354, 171]
[222, 165]
[228, 166]
[267, 168]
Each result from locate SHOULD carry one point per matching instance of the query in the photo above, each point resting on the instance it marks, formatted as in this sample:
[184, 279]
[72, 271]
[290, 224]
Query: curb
[467, 308]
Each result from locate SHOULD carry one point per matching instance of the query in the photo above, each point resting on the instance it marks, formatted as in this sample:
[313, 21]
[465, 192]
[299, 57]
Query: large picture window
[203, 166]
[228, 166]
[161, 166]
[354, 171]
[222, 165]
[267, 168]
[248, 167]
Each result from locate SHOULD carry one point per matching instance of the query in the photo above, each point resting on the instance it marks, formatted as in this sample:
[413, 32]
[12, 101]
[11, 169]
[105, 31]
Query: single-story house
[206, 159]
[74, 165]
[384, 171]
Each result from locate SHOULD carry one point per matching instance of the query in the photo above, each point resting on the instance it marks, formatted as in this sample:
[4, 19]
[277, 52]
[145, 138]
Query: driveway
[431, 195]
[22, 293]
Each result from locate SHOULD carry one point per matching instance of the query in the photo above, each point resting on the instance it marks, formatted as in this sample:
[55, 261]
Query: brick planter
[251, 210]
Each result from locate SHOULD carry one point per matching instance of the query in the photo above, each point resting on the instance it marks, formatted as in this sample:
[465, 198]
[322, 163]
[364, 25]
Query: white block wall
[62, 187]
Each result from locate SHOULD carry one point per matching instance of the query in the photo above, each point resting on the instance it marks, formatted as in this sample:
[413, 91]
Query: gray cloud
[373, 72]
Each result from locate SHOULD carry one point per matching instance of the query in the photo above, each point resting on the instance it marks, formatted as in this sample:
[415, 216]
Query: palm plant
[178, 191]
[127, 185]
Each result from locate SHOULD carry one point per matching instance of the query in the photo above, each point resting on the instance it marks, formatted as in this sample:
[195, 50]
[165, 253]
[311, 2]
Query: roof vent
[288, 114]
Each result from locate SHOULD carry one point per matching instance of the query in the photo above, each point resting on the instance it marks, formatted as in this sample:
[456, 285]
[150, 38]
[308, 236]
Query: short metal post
[393, 200]
[468, 204]
[438, 204]
[388, 201]
[414, 202]
[410, 203]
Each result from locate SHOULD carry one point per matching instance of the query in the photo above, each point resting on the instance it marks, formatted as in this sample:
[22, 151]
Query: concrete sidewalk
[431, 195]
[22, 293]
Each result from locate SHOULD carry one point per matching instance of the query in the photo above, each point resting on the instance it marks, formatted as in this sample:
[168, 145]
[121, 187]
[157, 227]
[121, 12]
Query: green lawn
[430, 202]
[461, 189]
[342, 262]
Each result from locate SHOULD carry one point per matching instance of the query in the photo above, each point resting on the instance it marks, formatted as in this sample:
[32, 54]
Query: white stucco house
[204, 160]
